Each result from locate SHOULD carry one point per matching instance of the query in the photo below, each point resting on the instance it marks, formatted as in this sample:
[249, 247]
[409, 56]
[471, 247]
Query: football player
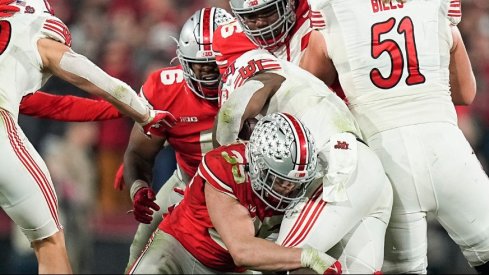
[349, 205]
[34, 44]
[237, 199]
[283, 27]
[190, 92]
[280, 26]
[402, 85]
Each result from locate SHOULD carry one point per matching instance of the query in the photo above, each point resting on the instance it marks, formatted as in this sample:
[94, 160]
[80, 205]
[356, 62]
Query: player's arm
[257, 92]
[462, 79]
[255, 253]
[138, 172]
[238, 236]
[139, 156]
[316, 60]
[67, 108]
[81, 72]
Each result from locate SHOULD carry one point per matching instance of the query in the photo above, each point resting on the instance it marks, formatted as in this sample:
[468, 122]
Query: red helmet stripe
[301, 139]
[206, 28]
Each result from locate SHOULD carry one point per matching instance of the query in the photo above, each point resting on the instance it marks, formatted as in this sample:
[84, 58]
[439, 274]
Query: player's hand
[158, 119]
[320, 262]
[119, 178]
[143, 204]
[6, 10]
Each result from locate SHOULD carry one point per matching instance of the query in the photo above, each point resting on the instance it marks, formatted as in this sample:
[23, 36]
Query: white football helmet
[276, 33]
[195, 46]
[281, 149]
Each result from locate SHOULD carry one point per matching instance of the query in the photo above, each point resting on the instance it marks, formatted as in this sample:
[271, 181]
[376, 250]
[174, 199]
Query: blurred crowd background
[129, 39]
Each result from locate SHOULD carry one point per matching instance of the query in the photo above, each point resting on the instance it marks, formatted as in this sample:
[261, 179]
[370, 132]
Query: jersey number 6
[379, 46]
[5, 33]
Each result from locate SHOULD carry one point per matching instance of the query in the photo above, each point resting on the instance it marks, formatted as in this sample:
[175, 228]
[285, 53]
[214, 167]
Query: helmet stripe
[301, 142]
[206, 28]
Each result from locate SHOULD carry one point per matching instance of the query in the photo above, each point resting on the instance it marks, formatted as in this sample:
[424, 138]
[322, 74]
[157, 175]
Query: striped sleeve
[455, 12]
[55, 29]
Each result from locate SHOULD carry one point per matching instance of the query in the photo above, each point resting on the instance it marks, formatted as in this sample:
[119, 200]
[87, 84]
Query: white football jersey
[293, 50]
[301, 94]
[392, 59]
[20, 63]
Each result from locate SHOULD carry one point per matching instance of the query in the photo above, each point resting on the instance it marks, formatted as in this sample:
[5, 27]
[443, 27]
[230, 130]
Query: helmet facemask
[281, 166]
[195, 47]
[206, 88]
[273, 35]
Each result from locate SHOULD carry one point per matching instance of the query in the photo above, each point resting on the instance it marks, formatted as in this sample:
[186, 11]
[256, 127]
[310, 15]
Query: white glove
[320, 262]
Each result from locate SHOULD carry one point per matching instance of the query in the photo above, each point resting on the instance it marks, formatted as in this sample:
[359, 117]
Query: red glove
[119, 178]
[335, 268]
[6, 10]
[158, 119]
[143, 202]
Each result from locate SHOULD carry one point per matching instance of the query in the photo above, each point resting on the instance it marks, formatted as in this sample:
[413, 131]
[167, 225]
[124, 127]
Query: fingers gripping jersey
[230, 41]
[391, 60]
[191, 137]
[19, 58]
[189, 222]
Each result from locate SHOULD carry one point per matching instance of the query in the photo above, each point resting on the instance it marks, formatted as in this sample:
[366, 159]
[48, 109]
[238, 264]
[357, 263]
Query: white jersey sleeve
[392, 60]
[20, 62]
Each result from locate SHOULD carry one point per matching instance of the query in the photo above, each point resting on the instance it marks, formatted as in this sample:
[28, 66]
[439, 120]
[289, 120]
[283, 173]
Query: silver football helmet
[281, 151]
[276, 33]
[195, 46]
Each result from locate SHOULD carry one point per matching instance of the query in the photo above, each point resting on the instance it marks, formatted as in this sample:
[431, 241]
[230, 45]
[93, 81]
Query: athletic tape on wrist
[136, 185]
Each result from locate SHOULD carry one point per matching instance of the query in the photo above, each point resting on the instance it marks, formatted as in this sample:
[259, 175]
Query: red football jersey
[191, 137]
[229, 41]
[189, 221]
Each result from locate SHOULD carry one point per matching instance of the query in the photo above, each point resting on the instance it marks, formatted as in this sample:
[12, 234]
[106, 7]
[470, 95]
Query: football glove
[119, 178]
[6, 10]
[143, 205]
[158, 119]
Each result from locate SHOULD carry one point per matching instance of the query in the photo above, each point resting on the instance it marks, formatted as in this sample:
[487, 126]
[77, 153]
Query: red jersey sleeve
[224, 168]
[230, 42]
[149, 88]
[67, 108]
[160, 92]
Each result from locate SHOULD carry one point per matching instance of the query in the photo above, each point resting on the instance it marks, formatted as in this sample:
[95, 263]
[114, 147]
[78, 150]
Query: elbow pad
[81, 66]
[231, 112]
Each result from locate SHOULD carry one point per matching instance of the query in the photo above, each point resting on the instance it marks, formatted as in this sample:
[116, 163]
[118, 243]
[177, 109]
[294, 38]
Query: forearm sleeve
[80, 65]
